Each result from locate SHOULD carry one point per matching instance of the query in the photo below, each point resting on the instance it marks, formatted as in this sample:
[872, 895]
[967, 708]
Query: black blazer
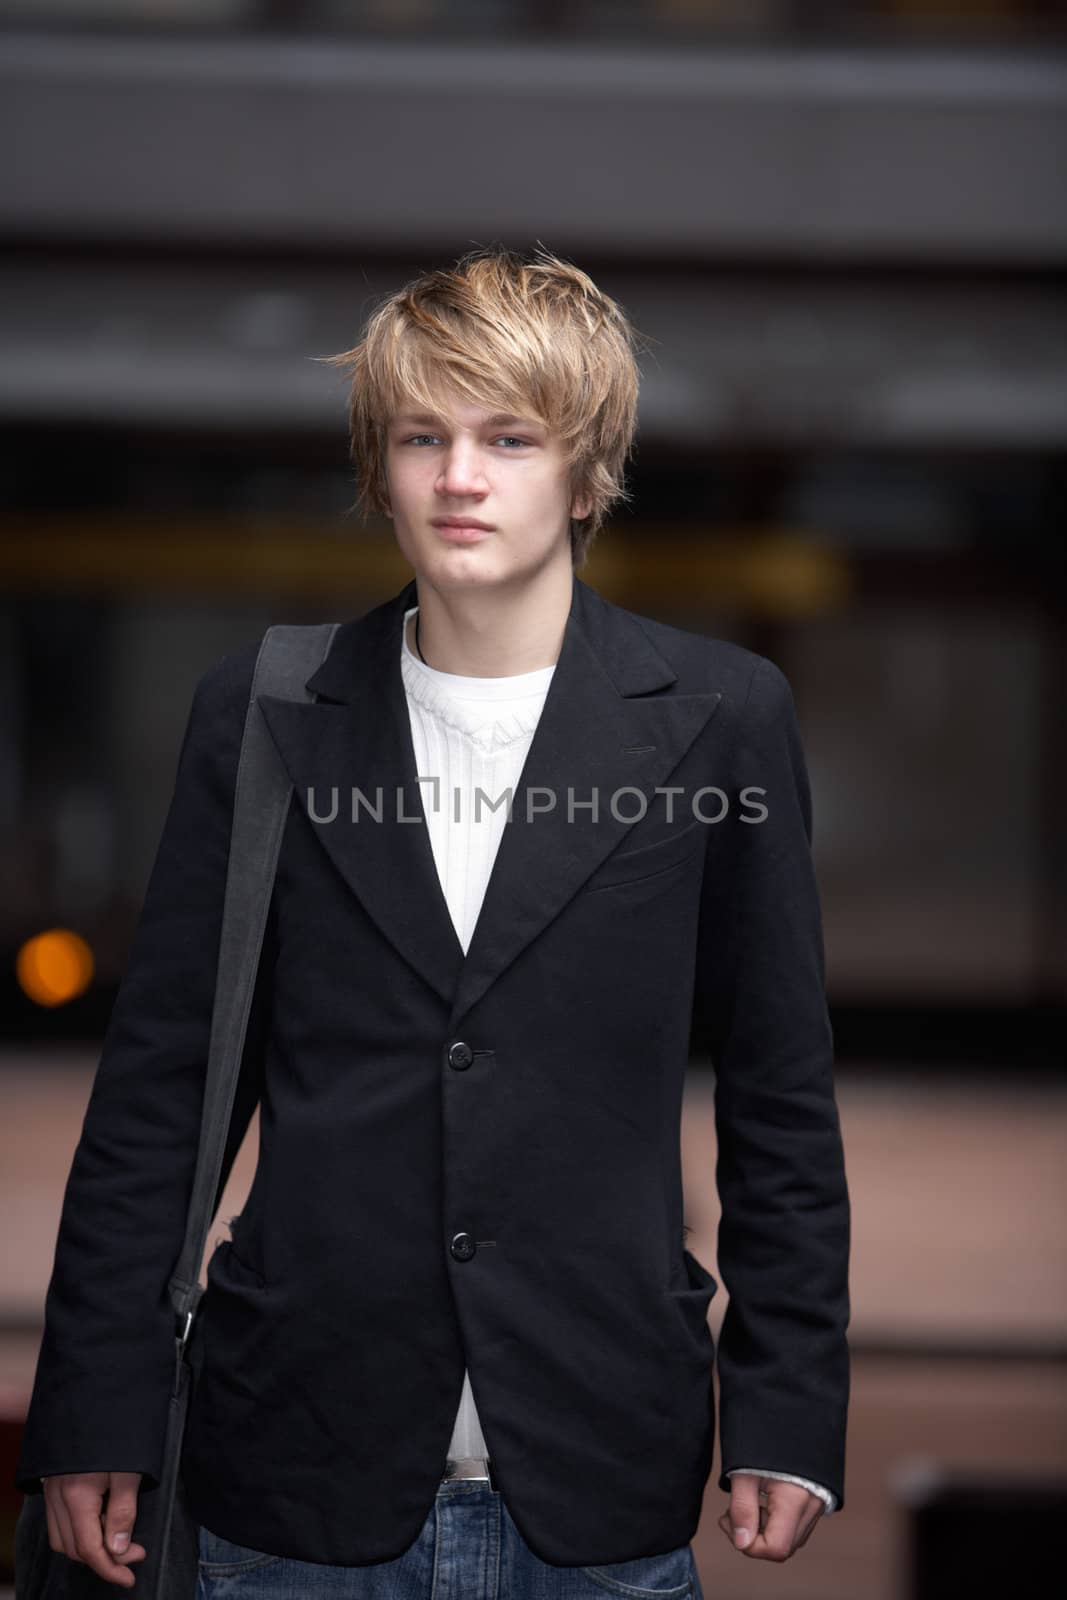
[474, 1159]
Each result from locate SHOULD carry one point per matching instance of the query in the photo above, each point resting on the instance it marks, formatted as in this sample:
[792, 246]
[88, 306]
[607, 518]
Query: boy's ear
[581, 506]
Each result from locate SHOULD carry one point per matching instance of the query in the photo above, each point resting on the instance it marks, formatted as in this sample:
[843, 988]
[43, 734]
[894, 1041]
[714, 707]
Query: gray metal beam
[842, 155]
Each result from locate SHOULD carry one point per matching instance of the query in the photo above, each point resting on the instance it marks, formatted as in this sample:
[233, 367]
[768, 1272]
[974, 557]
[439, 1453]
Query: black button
[460, 1056]
[463, 1247]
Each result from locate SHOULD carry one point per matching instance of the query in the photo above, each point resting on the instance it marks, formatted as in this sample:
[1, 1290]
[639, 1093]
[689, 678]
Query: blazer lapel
[357, 740]
[606, 726]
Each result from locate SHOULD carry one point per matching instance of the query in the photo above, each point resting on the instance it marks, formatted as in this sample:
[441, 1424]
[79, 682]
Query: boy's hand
[776, 1529]
[79, 1527]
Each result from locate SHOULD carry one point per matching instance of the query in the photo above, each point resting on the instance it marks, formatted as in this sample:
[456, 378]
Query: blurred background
[843, 228]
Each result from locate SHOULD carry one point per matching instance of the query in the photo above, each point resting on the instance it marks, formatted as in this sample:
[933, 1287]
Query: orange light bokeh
[54, 967]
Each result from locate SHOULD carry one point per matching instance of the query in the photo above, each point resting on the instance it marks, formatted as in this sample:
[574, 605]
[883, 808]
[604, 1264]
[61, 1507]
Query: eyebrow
[498, 419]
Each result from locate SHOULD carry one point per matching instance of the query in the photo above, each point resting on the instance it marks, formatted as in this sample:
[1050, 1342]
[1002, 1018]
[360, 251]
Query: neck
[491, 633]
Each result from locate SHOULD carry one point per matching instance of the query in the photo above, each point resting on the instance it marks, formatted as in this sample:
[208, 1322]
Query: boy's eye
[511, 437]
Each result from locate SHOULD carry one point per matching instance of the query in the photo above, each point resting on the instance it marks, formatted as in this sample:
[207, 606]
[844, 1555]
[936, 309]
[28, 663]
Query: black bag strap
[288, 655]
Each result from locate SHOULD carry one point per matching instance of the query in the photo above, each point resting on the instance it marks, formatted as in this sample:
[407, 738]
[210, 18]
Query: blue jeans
[469, 1549]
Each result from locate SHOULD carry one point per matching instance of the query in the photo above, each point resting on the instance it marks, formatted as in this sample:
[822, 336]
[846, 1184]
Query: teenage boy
[539, 845]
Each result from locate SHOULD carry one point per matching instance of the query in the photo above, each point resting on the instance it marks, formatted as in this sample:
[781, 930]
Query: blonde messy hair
[516, 332]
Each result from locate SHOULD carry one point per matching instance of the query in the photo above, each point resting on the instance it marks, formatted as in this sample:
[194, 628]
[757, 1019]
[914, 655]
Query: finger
[812, 1510]
[131, 1555]
[776, 1541]
[54, 1539]
[64, 1531]
[87, 1522]
[744, 1509]
[121, 1513]
[810, 1526]
[728, 1529]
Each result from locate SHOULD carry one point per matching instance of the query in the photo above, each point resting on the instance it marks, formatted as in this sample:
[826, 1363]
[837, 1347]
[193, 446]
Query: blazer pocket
[696, 1279]
[649, 860]
[226, 1264]
[693, 1296]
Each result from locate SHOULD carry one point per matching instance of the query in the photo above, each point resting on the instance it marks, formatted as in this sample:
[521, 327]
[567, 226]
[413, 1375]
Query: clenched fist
[770, 1532]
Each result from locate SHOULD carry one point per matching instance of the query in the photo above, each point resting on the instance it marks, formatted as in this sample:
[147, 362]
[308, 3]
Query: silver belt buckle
[477, 1468]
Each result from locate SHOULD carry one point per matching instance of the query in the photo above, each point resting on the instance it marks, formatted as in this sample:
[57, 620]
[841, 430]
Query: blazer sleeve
[760, 1007]
[106, 1361]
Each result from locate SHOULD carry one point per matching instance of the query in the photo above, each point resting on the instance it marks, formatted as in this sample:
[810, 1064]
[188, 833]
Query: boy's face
[507, 473]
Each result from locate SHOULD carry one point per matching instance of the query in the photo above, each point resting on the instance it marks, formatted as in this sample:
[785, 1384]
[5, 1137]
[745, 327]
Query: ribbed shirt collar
[491, 711]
